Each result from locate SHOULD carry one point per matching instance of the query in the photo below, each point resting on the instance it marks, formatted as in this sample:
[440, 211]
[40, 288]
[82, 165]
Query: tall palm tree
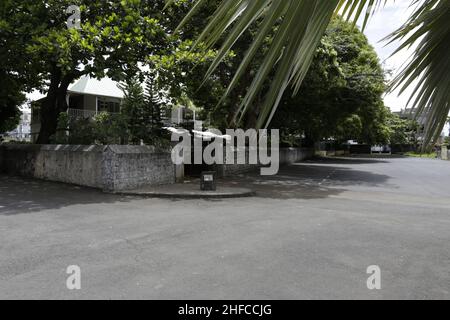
[300, 26]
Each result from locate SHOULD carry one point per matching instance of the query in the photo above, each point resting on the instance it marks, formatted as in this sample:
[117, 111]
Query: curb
[242, 193]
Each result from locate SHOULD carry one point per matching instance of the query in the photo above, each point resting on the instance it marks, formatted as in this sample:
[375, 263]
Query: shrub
[110, 128]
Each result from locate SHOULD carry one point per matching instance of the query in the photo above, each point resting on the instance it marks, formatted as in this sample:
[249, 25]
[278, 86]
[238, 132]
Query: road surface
[310, 233]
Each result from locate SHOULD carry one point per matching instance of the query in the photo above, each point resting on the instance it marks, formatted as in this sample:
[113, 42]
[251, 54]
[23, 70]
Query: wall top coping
[118, 149]
[73, 148]
[128, 149]
[52, 147]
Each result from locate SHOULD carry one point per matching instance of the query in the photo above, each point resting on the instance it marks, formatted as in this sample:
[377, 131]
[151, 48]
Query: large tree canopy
[341, 96]
[11, 97]
[301, 24]
[14, 71]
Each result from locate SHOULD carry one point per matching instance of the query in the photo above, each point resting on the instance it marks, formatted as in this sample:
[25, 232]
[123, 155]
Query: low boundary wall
[287, 156]
[110, 168]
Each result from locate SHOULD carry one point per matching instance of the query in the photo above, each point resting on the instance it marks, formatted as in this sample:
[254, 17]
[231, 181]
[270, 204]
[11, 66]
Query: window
[108, 105]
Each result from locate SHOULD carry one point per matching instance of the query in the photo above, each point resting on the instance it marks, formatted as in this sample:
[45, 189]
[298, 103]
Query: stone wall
[111, 168]
[131, 167]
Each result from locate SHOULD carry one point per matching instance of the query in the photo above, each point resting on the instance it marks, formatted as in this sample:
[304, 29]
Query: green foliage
[12, 75]
[139, 121]
[349, 128]
[61, 136]
[134, 109]
[116, 36]
[142, 113]
[81, 131]
[109, 128]
[430, 155]
[181, 75]
[11, 98]
[9, 116]
[104, 128]
[301, 24]
[341, 96]
[403, 132]
[299, 27]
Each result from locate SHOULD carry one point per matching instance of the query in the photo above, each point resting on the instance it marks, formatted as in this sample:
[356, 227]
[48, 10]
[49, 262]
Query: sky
[388, 19]
[385, 21]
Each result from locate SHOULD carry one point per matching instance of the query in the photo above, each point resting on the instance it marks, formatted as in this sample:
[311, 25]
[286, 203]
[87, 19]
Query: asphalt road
[310, 233]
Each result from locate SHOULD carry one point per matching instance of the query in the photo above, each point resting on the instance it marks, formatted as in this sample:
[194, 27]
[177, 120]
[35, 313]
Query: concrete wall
[444, 153]
[287, 156]
[81, 165]
[111, 168]
[293, 155]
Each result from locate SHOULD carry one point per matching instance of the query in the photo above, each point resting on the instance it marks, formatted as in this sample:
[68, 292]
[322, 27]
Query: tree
[301, 24]
[11, 98]
[341, 96]
[402, 131]
[142, 111]
[134, 109]
[115, 36]
[14, 70]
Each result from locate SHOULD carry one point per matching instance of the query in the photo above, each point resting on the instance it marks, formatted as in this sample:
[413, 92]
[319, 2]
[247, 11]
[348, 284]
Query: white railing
[81, 114]
[89, 114]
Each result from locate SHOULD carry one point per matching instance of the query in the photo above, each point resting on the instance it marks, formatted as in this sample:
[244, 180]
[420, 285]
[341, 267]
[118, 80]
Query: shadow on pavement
[314, 179]
[309, 180]
[20, 195]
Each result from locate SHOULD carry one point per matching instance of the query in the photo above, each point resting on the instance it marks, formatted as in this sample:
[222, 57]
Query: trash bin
[208, 181]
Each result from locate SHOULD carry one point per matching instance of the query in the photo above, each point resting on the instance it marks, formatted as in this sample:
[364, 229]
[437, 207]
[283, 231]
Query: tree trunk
[53, 104]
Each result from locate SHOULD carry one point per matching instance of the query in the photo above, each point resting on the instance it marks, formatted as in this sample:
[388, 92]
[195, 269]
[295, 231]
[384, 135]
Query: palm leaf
[430, 67]
[301, 24]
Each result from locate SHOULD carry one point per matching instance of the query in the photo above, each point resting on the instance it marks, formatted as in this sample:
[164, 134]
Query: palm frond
[301, 23]
[430, 67]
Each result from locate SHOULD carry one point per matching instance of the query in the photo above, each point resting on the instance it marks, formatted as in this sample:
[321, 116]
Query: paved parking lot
[309, 233]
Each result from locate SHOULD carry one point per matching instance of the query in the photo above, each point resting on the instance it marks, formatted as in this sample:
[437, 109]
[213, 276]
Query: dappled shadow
[309, 180]
[20, 195]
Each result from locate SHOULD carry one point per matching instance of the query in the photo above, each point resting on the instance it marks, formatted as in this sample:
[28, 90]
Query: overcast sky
[384, 22]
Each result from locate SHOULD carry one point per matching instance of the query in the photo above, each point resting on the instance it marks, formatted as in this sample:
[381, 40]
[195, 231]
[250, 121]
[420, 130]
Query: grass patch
[432, 155]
